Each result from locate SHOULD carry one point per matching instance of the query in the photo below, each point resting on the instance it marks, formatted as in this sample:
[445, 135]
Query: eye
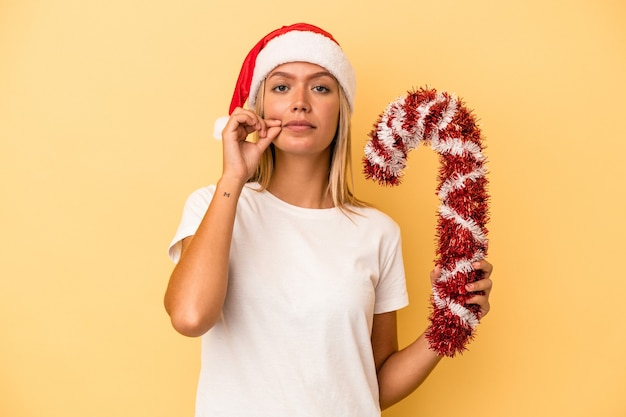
[321, 89]
[281, 88]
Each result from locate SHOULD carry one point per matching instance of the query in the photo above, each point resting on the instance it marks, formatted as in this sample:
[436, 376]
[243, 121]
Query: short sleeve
[193, 213]
[391, 292]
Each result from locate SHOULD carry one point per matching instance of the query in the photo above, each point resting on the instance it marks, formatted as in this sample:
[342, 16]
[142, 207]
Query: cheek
[332, 113]
[273, 108]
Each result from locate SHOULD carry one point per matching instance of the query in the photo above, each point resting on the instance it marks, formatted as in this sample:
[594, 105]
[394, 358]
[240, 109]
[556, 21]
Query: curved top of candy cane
[436, 118]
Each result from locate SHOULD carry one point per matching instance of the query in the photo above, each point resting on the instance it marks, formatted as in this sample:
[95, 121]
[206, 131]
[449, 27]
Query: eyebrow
[291, 76]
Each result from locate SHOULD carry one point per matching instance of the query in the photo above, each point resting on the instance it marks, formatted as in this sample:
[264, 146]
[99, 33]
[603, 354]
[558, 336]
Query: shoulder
[372, 217]
[375, 215]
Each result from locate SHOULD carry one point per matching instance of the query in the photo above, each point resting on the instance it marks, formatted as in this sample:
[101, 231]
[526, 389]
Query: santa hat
[300, 42]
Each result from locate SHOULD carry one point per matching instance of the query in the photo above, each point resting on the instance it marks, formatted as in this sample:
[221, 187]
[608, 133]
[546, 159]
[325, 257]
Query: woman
[292, 282]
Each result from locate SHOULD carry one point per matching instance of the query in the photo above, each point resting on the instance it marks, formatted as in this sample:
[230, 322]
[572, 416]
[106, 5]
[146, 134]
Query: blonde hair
[340, 175]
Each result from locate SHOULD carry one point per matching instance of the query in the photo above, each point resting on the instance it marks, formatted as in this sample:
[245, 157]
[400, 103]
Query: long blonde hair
[340, 175]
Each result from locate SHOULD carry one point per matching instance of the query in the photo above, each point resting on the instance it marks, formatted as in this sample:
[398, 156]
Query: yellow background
[106, 114]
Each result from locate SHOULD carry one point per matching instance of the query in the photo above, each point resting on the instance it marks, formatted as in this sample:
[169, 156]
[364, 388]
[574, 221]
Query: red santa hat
[300, 42]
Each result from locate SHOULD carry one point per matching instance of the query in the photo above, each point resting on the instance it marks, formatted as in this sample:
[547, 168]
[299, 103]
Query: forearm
[197, 287]
[405, 370]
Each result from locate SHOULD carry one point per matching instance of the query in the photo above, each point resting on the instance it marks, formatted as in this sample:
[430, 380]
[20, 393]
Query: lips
[299, 124]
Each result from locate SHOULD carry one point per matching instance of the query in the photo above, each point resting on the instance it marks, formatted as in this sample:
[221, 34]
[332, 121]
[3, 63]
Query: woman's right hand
[240, 157]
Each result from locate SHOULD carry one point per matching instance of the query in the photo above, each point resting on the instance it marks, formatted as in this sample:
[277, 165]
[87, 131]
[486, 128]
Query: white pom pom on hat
[300, 42]
[218, 127]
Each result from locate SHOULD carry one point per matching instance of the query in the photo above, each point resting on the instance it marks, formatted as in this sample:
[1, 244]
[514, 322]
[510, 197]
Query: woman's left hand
[482, 286]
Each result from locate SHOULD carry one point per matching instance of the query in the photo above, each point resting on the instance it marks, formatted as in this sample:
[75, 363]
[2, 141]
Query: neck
[302, 182]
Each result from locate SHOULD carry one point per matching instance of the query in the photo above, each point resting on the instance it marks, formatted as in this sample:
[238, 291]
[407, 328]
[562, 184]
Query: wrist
[425, 345]
[229, 186]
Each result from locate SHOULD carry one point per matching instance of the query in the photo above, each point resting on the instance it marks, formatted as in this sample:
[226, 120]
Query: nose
[300, 101]
[300, 107]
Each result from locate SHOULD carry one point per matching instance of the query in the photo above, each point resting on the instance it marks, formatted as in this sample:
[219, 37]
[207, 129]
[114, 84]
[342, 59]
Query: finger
[484, 266]
[483, 285]
[270, 127]
[273, 122]
[482, 302]
[435, 274]
[243, 119]
[271, 134]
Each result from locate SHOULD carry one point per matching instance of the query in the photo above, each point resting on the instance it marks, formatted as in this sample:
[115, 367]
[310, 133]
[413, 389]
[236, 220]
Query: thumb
[435, 274]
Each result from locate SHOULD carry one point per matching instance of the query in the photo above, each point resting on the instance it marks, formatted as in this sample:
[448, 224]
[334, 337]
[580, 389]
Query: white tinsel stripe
[458, 181]
[446, 117]
[449, 112]
[394, 159]
[467, 317]
[458, 147]
[390, 134]
[392, 164]
[372, 156]
[397, 115]
[423, 110]
[385, 132]
[469, 224]
[463, 265]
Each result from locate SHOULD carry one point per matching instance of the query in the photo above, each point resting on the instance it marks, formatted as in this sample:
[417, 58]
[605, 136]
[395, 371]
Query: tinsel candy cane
[441, 120]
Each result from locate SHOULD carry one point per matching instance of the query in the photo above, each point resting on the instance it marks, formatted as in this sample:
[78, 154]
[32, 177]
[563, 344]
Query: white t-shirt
[294, 339]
